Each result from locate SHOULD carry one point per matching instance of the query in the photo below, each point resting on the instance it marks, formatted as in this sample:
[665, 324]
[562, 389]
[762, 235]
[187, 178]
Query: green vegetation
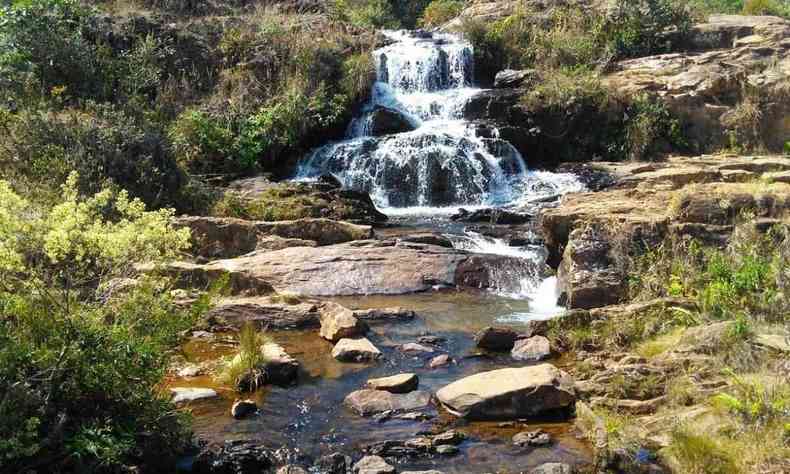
[82, 347]
[745, 7]
[244, 371]
[439, 12]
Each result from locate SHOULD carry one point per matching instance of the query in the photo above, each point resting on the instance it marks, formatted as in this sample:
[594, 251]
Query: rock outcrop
[509, 393]
[265, 312]
[354, 268]
[226, 237]
[385, 121]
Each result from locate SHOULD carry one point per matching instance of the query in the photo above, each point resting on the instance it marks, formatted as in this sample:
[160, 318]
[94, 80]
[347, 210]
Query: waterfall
[433, 157]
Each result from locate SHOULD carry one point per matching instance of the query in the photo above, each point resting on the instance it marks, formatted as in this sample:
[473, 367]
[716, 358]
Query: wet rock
[491, 216]
[509, 393]
[430, 339]
[510, 78]
[552, 468]
[393, 314]
[532, 349]
[373, 465]
[428, 238]
[496, 338]
[338, 322]
[265, 312]
[531, 438]
[401, 383]
[440, 361]
[243, 408]
[290, 469]
[280, 368]
[414, 348]
[191, 394]
[386, 121]
[422, 444]
[432, 471]
[335, 463]
[451, 437]
[535, 327]
[355, 350]
[234, 457]
[227, 237]
[190, 370]
[370, 402]
[447, 450]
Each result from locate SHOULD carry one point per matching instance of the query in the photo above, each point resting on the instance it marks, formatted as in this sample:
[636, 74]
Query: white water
[446, 162]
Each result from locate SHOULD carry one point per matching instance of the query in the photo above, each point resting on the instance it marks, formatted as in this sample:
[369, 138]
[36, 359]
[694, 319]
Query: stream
[420, 178]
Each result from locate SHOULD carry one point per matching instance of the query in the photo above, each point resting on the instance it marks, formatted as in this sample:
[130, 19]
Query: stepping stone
[338, 322]
[190, 394]
[242, 408]
[355, 350]
[373, 465]
[401, 383]
[371, 402]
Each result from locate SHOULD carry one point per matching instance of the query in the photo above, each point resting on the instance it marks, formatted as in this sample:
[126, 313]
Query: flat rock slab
[509, 393]
[373, 465]
[401, 383]
[264, 312]
[368, 402]
[354, 268]
[190, 394]
[355, 350]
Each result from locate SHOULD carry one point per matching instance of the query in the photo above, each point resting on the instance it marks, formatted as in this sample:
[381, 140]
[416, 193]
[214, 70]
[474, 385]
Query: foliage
[365, 13]
[650, 129]
[274, 204]
[567, 87]
[80, 363]
[439, 12]
[245, 370]
[699, 454]
[636, 28]
[746, 7]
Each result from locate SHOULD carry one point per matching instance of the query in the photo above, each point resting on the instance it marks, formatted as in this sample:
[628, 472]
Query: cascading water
[413, 151]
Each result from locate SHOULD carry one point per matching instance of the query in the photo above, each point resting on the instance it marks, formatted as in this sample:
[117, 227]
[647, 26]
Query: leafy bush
[80, 365]
[644, 27]
[439, 12]
[651, 129]
[103, 144]
[365, 13]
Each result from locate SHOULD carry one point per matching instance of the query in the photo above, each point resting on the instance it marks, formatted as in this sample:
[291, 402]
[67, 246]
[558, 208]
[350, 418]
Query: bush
[644, 27]
[439, 12]
[103, 144]
[365, 13]
[651, 129]
[699, 454]
[80, 366]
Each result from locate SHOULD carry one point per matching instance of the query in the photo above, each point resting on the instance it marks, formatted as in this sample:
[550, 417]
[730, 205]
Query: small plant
[245, 370]
[439, 12]
[698, 454]
[754, 402]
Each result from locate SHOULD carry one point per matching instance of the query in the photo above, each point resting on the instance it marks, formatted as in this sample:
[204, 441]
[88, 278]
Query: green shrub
[80, 365]
[102, 143]
[636, 28]
[365, 13]
[700, 454]
[439, 12]
[244, 371]
[651, 129]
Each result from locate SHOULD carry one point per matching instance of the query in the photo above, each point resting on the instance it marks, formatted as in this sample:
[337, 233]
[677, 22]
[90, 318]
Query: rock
[401, 383]
[432, 471]
[226, 237]
[491, 216]
[414, 348]
[777, 342]
[235, 457]
[448, 437]
[496, 338]
[421, 444]
[242, 408]
[535, 327]
[509, 393]
[355, 350]
[190, 370]
[280, 368]
[354, 268]
[335, 463]
[532, 349]
[509, 78]
[290, 469]
[386, 121]
[373, 465]
[370, 402]
[430, 339]
[265, 312]
[384, 314]
[440, 361]
[552, 468]
[447, 450]
[338, 322]
[429, 238]
[531, 438]
[191, 394]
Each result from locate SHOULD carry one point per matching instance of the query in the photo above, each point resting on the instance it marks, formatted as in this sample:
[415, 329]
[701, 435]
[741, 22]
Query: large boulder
[510, 78]
[371, 402]
[531, 349]
[338, 322]
[354, 268]
[386, 121]
[509, 393]
[496, 338]
[355, 350]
